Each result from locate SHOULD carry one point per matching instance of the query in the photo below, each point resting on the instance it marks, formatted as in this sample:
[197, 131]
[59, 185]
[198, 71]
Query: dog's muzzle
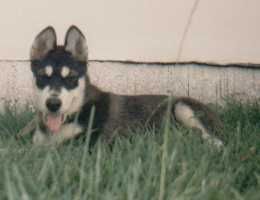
[53, 119]
[54, 122]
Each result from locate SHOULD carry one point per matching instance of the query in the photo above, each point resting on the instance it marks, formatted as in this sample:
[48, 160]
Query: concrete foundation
[206, 83]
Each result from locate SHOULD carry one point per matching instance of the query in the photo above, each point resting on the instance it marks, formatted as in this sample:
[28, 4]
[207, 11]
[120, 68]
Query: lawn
[174, 164]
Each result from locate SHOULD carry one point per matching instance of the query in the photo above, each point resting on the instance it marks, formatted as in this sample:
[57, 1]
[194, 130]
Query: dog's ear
[76, 44]
[45, 41]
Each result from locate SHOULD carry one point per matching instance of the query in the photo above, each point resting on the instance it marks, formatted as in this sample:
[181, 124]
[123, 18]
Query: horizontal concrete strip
[206, 83]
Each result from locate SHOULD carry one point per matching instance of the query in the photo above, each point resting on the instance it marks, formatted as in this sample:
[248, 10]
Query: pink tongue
[54, 123]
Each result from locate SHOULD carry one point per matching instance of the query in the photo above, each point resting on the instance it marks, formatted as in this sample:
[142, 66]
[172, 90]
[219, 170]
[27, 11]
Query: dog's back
[114, 114]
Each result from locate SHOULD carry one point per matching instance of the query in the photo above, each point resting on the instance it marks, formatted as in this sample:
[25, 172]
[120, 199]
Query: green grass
[148, 166]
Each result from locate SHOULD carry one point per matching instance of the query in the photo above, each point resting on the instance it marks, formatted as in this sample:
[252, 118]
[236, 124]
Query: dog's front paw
[39, 138]
[216, 143]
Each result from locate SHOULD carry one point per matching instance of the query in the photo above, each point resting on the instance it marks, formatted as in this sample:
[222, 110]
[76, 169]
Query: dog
[65, 99]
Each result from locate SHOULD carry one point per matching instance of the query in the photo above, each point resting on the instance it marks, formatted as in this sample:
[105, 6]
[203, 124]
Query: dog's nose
[53, 104]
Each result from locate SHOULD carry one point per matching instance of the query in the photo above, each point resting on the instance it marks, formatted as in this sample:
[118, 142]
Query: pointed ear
[45, 41]
[76, 43]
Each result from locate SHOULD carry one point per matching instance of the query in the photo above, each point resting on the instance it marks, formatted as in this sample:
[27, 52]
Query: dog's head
[59, 75]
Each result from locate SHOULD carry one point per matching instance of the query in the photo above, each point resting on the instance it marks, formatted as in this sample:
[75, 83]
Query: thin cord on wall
[181, 46]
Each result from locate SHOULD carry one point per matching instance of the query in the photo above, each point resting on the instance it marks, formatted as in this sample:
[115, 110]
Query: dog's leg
[185, 115]
[110, 131]
[39, 138]
[27, 129]
[68, 132]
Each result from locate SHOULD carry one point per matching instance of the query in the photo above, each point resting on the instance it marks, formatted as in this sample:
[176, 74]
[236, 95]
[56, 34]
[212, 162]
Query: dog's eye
[41, 73]
[72, 79]
[73, 73]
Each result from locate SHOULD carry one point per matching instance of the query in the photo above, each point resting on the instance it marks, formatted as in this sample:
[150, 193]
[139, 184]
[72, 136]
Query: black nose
[53, 104]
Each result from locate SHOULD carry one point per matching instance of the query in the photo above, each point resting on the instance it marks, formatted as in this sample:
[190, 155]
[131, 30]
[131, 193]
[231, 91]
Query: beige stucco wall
[222, 31]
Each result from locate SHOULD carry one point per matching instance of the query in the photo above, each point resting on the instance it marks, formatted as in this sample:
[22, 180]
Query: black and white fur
[63, 92]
